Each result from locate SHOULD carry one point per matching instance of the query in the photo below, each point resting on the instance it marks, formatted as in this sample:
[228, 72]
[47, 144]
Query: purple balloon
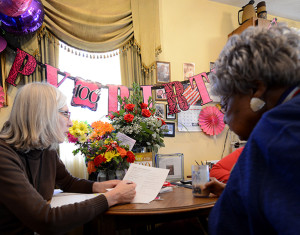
[14, 8]
[30, 21]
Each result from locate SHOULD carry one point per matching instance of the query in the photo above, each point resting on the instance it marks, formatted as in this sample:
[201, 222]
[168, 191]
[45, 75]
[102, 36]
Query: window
[104, 71]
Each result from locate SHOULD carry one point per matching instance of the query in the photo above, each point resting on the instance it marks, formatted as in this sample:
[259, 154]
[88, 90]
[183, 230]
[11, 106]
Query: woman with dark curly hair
[257, 76]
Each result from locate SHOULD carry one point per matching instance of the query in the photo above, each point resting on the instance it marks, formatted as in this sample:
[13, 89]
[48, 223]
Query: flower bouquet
[100, 146]
[136, 120]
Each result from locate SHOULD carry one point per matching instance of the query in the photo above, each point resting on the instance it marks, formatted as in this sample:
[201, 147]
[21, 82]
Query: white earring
[256, 104]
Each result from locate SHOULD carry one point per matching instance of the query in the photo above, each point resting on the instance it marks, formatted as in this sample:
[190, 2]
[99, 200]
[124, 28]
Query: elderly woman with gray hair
[257, 76]
[30, 168]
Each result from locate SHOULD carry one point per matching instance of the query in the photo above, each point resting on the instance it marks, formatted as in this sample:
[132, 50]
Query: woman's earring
[256, 104]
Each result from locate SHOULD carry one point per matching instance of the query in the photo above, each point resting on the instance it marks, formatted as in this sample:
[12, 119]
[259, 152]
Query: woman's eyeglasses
[67, 114]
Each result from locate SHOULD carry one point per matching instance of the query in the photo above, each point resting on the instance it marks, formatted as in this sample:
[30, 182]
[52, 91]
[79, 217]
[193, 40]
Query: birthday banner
[87, 93]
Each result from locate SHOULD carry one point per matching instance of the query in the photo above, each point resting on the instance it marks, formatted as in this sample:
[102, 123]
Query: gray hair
[258, 54]
[33, 121]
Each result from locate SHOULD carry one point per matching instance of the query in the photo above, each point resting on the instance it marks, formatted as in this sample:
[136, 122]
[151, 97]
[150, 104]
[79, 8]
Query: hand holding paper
[149, 181]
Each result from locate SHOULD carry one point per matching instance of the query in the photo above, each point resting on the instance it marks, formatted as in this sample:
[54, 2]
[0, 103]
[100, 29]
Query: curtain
[45, 48]
[94, 25]
[132, 69]
[74, 164]
[101, 26]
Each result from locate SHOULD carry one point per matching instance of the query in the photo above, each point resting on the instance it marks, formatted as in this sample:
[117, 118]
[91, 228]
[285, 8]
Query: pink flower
[71, 138]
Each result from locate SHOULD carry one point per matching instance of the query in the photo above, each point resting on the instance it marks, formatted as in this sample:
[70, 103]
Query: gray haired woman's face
[239, 116]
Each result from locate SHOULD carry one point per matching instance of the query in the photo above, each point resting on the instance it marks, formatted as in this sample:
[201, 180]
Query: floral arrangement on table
[137, 120]
[100, 146]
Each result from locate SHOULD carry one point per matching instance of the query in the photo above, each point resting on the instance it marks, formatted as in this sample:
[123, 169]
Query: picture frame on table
[160, 94]
[170, 116]
[173, 162]
[163, 72]
[160, 110]
[170, 126]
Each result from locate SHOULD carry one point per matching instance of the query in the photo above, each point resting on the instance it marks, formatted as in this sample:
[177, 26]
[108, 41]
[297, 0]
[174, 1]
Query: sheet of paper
[61, 199]
[126, 140]
[149, 181]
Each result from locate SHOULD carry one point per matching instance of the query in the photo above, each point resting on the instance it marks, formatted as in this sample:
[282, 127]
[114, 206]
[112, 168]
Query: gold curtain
[132, 69]
[44, 47]
[101, 26]
[94, 25]
[138, 57]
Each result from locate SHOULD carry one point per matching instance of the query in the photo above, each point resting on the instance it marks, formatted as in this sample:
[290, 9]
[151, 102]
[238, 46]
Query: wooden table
[175, 205]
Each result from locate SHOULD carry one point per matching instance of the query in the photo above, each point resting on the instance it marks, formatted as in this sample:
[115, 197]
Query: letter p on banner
[28, 68]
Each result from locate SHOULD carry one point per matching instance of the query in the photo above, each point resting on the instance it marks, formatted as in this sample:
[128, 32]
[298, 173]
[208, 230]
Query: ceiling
[289, 9]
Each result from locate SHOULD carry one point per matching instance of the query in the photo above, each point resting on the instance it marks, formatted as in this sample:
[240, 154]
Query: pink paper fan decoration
[211, 120]
[2, 99]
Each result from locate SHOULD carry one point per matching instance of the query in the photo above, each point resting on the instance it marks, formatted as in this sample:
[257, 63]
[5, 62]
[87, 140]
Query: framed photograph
[188, 70]
[163, 72]
[169, 116]
[160, 94]
[160, 110]
[173, 162]
[170, 126]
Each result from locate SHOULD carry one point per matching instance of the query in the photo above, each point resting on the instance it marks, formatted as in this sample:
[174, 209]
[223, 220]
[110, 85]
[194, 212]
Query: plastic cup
[200, 176]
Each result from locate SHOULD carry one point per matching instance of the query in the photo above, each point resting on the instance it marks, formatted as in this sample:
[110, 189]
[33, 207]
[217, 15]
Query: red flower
[128, 117]
[99, 159]
[130, 157]
[146, 113]
[144, 106]
[129, 107]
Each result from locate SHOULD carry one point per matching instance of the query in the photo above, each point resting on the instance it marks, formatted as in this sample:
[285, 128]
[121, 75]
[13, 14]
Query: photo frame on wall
[163, 72]
[160, 94]
[173, 162]
[170, 116]
[188, 70]
[170, 126]
[160, 110]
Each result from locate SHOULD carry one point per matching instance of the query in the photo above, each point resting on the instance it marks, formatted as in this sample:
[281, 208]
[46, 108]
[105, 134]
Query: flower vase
[120, 174]
[101, 176]
[111, 175]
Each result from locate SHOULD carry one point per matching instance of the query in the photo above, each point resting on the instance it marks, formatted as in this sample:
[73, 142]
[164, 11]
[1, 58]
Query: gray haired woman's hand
[214, 186]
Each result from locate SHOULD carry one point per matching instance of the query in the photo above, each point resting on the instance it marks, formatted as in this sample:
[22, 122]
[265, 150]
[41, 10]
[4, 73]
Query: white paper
[126, 140]
[61, 199]
[149, 181]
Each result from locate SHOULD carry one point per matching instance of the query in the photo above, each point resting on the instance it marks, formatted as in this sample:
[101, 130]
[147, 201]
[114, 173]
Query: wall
[195, 31]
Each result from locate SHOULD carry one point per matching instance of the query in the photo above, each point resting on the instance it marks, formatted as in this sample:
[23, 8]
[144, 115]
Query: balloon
[28, 22]
[3, 44]
[14, 8]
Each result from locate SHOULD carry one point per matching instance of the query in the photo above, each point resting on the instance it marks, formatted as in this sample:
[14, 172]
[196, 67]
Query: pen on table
[197, 163]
